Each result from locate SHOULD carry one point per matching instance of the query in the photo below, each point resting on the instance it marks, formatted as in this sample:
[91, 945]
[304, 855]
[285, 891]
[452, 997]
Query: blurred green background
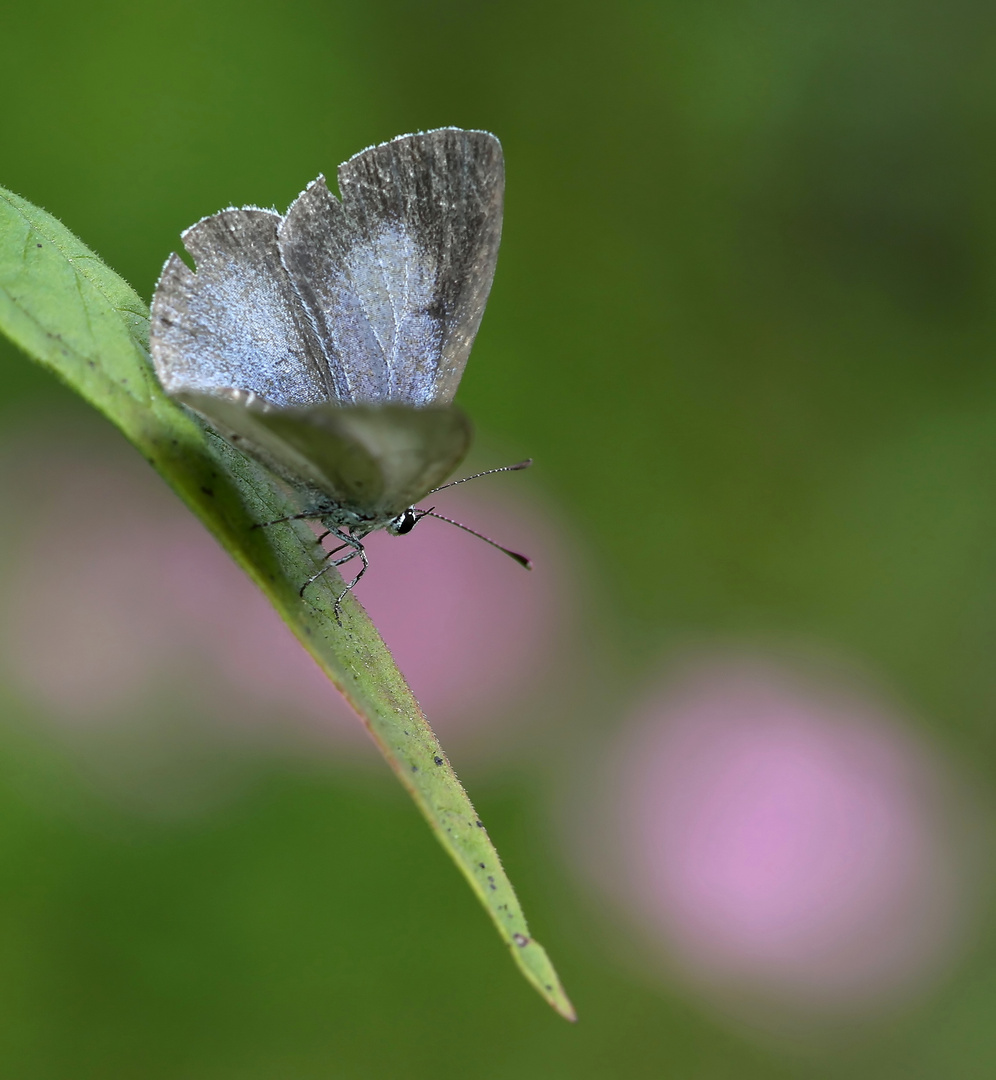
[743, 319]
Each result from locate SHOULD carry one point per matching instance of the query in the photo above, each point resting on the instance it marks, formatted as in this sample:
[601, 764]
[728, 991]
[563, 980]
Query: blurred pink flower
[783, 842]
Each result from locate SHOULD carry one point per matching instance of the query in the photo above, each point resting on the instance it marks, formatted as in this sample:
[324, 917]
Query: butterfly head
[406, 521]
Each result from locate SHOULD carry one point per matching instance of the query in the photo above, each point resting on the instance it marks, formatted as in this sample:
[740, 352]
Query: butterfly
[328, 342]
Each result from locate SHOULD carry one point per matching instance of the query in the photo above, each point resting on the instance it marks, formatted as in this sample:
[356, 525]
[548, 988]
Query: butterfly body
[329, 342]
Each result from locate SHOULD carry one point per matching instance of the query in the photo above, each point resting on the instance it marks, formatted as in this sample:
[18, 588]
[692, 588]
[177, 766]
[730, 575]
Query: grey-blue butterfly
[328, 343]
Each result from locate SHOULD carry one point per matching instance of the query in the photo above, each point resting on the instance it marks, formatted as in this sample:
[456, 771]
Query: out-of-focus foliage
[743, 321]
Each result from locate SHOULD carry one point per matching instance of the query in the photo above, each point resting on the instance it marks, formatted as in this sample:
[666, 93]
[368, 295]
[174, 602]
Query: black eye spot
[406, 522]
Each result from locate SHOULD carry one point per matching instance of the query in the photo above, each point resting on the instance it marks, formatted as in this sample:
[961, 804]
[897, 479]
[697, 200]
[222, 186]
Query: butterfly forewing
[396, 275]
[237, 322]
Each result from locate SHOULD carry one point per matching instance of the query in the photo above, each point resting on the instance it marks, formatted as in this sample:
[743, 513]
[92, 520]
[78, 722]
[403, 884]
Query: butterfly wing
[380, 459]
[396, 275]
[237, 321]
[372, 460]
[329, 343]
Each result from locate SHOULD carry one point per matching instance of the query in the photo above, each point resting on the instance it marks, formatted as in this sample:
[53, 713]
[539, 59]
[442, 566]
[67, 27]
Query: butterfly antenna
[520, 559]
[487, 472]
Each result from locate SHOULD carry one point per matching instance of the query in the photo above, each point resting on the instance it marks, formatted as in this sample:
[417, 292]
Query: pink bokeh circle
[784, 841]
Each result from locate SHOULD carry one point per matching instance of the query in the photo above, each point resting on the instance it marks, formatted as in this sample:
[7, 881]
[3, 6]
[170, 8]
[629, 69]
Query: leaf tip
[536, 966]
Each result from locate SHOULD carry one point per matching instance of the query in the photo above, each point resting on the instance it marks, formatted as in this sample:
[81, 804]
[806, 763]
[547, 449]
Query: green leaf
[74, 315]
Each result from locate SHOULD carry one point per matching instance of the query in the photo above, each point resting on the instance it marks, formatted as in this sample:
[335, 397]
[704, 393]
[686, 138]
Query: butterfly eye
[405, 521]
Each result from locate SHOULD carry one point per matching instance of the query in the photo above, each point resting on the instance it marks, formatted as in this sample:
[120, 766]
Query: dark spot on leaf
[481, 865]
[414, 768]
[491, 883]
[479, 824]
[438, 760]
[37, 245]
[521, 940]
[207, 491]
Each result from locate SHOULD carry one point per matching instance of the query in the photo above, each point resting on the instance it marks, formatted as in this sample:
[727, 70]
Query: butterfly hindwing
[381, 458]
[372, 460]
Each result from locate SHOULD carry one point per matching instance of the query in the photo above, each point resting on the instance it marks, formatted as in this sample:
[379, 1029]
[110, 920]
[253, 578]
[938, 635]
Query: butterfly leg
[347, 541]
[357, 549]
[328, 554]
[308, 515]
[363, 569]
